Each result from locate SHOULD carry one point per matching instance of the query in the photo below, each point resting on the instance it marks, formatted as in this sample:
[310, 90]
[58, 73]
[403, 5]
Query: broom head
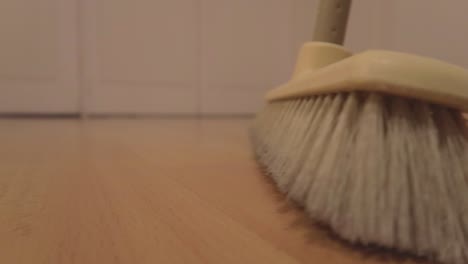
[373, 145]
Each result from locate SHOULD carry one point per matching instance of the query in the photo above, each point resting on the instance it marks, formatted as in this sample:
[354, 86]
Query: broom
[374, 145]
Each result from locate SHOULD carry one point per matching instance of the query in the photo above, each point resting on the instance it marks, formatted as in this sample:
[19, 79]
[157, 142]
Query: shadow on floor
[321, 234]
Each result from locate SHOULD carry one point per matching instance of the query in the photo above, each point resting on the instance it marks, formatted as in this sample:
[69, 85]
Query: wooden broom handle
[332, 19]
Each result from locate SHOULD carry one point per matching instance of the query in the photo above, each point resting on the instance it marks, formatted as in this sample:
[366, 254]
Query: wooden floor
[149, 191]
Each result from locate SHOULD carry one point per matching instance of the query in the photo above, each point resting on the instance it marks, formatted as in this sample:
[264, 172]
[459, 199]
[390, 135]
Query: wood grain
[150, 191]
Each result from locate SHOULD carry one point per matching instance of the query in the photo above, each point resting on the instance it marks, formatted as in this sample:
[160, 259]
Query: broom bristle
[377, 169]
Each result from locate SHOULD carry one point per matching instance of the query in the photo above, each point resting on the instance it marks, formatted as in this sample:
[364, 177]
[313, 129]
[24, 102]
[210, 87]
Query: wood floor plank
[149, 191]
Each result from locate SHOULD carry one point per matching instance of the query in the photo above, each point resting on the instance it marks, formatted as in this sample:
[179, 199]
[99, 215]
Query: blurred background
[189, 57]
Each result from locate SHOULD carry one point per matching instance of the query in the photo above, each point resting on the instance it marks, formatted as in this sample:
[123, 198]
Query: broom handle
[332, 20]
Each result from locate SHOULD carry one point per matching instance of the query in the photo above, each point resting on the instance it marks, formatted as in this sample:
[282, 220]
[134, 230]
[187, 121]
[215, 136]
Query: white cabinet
[189, 56]
[432, 28]
[38, 57]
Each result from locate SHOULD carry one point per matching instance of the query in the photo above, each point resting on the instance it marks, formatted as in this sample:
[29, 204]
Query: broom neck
[332, 19]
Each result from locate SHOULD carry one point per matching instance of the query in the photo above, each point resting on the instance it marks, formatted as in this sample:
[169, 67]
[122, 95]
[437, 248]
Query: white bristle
[377, 169]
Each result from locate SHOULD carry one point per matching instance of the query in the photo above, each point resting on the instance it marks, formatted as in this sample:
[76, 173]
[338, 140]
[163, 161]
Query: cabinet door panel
[38, 56]
[248, 48]
[142, 56]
